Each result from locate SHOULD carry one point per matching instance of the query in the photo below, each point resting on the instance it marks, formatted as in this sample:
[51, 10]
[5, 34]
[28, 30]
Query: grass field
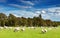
[30, 33]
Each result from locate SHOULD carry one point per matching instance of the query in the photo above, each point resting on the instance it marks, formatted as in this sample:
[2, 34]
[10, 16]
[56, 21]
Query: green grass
[30, 33]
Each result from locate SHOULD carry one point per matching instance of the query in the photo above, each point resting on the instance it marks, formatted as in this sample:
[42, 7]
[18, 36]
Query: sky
[49, 9]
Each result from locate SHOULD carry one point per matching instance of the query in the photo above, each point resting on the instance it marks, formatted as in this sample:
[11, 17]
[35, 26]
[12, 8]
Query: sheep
[49, 28]
[44, 30]
[42, 27]
[5, 27]
[16, 29]
[29, 27]
[22, 29]
[10, 27]
[1, 27]
[33, 27]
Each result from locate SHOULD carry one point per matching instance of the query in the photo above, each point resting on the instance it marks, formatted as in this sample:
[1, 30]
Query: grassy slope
[30, 33]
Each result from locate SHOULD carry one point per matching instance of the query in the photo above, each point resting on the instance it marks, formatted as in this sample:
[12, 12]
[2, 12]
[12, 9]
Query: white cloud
[36, 15]
[27, 2]
[38, 12]
[51, 10]
[19, 6]
[58, 11]
[46, 16]
[55, 9]
[22, 13]
[43, 11]
[52, 14]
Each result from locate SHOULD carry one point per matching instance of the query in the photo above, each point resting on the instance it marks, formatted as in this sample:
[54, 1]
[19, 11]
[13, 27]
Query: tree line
[12, 20]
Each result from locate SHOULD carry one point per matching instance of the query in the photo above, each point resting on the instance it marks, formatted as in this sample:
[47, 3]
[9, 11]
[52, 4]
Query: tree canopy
[12, 20]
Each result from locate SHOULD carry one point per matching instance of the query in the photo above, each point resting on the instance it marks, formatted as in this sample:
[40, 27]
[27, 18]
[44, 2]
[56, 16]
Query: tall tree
[3, 19]
[12, 20]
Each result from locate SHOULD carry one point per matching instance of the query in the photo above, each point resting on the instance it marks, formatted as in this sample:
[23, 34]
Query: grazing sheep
[42, 27]
[33, 27]
[49, 28]
[22, 29]
[10, 27]
[44, 30]
[29, 27]
[1, 27]
[5, 27]
[16, 29]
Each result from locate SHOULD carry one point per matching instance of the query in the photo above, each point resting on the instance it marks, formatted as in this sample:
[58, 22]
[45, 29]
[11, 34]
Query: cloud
[55, 11]
[22, 13]
[54, 8]
[52, 14]
[43, 11]
[27, 2]
[19, 6]
[38, 12]
[46, 16]
[48, 13]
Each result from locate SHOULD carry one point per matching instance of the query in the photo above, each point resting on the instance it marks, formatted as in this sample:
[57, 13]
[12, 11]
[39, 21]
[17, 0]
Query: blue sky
[50, 9]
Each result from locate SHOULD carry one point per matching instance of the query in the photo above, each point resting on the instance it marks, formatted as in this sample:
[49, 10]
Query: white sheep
[1, 27]
[10, 27]
[29, 27]
[16, 29]
[5, 27]
[42, 27]
[49, 28]
[33, 27]
[22, 29]
[44, 30]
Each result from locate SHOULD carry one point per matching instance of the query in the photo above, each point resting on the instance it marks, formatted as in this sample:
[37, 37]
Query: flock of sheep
[16, 29]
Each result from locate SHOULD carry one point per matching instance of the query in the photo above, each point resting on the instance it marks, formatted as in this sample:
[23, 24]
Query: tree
[49, 22]
[23, 21]
[35, 21]
[3, 19]
[12, 20]
[29, 22]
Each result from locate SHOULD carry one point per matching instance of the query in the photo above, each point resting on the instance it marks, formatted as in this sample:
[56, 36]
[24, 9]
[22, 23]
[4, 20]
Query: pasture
[30, 33]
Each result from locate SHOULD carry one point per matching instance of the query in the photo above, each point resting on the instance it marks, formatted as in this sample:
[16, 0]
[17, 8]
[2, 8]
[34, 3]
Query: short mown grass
[30, 33]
